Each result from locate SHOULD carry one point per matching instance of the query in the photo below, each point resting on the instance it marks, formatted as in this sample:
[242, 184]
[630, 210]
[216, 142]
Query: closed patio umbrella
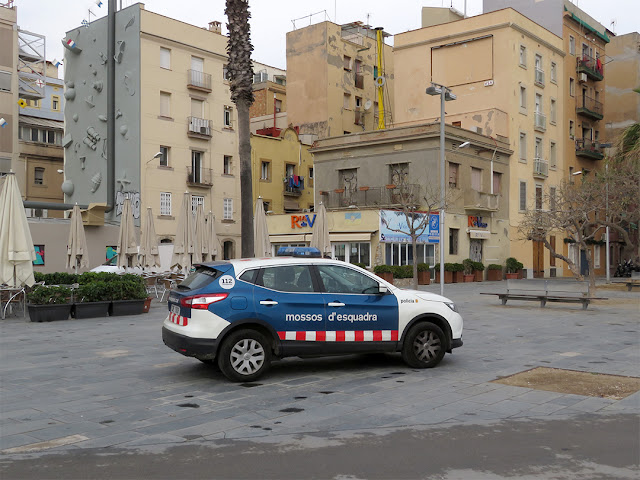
[127, 246]
[149, 255]
[261, 243]
[211, 239]
[183, 244]
[199, 239]
[16, 245]
[320, 234]
[77, 251]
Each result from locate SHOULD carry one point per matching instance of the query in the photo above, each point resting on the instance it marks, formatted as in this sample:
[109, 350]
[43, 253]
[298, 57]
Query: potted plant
[468, 271]
[339, 190]
[424, 276]
[478, 268]
[384, 272]
[48, 303]
[494, 272]
[92, 300]
[513, 266]
[448, 272]
[458, 272]
[129, 295]
[391, 186]
[363, 189]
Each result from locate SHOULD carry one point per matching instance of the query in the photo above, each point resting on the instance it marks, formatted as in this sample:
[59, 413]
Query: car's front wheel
[244, 356]
[424, 346]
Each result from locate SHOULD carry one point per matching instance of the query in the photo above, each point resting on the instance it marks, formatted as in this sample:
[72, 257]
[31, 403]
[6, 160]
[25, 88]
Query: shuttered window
[165, 203]
[523, 196]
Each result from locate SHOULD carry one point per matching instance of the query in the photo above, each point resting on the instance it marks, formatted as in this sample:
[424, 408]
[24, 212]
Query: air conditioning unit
[583, 78]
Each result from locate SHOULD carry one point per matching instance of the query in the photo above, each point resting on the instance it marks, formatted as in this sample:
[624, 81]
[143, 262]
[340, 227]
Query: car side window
[338, 279]
[287, 278]
[249, 276]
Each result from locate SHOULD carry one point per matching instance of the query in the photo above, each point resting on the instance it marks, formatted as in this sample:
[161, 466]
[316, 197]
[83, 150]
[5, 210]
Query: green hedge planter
[49, 313]
[90, 309]
[119, 308]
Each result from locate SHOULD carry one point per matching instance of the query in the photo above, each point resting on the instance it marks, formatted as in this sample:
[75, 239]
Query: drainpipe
[111, 97]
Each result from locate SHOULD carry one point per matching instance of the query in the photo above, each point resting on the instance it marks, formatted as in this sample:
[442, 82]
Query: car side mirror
[382, 289]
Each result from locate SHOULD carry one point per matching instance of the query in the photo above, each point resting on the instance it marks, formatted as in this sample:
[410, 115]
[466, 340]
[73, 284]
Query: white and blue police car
[242, 313]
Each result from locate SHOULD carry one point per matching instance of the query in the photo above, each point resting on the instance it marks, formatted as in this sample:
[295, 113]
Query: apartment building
[9, 93]
[175, 123]
[506, 72]
[333, 79]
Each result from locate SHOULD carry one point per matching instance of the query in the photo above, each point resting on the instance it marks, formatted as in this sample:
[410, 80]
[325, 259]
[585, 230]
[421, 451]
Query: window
[55, 103]
[539, 72]
[197, 64]
[358, 66]
[196, 167]
[165, 104]
[50, 136]
[523, 196]
[264, 170]
[552, 259]
[538, 197]
[552, 199]
[228, 117]
[572, 87]
[358, 102]
[310, 173]
[596, 256]
[38, 176]
[554, 72]
[523, 98]
[339, 279]
[346, 101]
[497, 182]
[523, 56]
[196, 200]
[453, 241]
[538, 103]
[227, 166]
[572, 45]
[348, 179]
[398, 173]
[476, 179]
[197, 108]
[523, 147]
[402, 253]
[5, 81]
[33, 103]
[35, 135]
[571, 129]
[347, 63]
[538, 149]
[287, 278]
[228, 250]
[165, 58]
[226, 75]
[553, 112]
[553, 155]
[227, 209]
[165, 203]
[164, 158]
[453, 175]
[352, 252]
[278, 106]
[289, 169]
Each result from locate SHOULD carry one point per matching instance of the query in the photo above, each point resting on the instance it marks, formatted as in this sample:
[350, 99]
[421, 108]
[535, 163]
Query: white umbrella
[199, 238]
[127, 246]
[320, 234]
[16, 245]
[261, 243]
[149, 255]
[77, 251]
[183, 245]
[211, 239]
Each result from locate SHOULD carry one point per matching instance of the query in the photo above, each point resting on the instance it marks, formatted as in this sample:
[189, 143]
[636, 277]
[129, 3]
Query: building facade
[9, 94]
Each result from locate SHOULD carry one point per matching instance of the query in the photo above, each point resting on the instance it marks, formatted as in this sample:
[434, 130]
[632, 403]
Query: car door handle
[335, 304]
[268, 302]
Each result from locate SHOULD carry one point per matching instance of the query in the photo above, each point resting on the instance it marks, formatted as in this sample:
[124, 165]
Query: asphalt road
[104, 398]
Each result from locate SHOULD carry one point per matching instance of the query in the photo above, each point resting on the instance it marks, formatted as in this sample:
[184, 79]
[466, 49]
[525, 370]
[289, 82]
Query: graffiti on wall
[135, 202]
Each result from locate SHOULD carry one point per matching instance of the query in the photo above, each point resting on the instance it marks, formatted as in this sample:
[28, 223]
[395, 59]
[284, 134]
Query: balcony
[539, 78]
[387, 196]
[592, 67]
[292, 190]
[199, 128]
[540, 122]
[589, 149]
[540, 168]
[474, 200]
[589, 108]
[198, 80]
[200, 177]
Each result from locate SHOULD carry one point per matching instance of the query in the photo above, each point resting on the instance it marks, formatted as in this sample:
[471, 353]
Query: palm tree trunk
[246, 192]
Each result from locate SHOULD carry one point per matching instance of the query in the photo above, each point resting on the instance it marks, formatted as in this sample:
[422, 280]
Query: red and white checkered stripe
[178, 319]
[341, 336]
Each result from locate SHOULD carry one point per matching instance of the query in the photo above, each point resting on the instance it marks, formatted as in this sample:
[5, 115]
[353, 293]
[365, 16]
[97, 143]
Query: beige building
[9, 94]
[332, 79]
[506, 72]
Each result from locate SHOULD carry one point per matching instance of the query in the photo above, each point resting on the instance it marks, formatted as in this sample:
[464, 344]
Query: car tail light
[202, 302]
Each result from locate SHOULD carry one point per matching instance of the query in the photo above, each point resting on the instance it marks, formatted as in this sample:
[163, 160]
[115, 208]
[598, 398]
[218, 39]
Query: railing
[199, 80]
[474, 200]
[593, 67]
[199, 176]
[590, 107]
[540, 121]
[589, 148]
[292, 190]
[199, 126]
[374, 196]
[539, 77]
[540, 168]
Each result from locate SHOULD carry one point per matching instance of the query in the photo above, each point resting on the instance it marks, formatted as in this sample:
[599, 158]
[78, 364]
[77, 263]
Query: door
[584, 266]
[475, 250]
[538, 259]
[355, 311]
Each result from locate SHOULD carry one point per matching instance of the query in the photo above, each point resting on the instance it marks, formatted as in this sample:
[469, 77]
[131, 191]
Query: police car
[243, 313]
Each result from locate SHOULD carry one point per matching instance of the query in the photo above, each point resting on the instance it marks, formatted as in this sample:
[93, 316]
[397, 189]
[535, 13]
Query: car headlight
[452, 306]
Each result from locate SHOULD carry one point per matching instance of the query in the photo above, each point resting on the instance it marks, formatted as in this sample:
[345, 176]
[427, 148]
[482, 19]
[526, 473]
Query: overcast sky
[271, 20]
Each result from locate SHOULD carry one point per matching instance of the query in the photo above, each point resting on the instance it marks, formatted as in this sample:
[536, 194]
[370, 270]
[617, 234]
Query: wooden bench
[543, 292]
[634, 282]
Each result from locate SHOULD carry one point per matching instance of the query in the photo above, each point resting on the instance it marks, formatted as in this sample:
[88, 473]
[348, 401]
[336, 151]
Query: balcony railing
[540, 120]
[539, 77]
[593, 67]
[199, 177]
[199, 127]
[387, 196]
[589, 149]
[540, 168]
[199, 80]
[290, 189]
[474, 200]
[589, 107]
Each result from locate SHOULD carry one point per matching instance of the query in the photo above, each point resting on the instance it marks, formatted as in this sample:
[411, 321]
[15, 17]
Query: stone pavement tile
[507, 407]
[494, 396]
[548, 407]
[306, 380]
[93, 415]
[429, 417]
[17, 440]
[29, 426]
[22, 414]
[477, 389]
[110, 440]
[63, 430]
[477, 416]
[592, 404]
[632, 401]
[164, 439]
[209, 428]
[536, 396]
[567, 399]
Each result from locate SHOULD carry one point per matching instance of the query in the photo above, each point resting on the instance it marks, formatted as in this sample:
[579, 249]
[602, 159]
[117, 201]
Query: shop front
[396, 239]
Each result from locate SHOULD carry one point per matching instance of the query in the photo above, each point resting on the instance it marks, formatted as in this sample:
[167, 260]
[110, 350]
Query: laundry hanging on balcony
[296, 181]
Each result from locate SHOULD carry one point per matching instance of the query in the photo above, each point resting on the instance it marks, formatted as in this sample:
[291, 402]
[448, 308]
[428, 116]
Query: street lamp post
[445, 96]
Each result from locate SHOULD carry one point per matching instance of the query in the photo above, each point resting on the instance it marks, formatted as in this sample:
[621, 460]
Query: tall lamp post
[445, 96]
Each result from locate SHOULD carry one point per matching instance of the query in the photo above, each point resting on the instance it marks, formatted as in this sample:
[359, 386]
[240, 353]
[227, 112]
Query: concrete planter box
[49, 313]
[424, 278]
[126, 307]
[90, 309]
[494, 275]
[468, 278]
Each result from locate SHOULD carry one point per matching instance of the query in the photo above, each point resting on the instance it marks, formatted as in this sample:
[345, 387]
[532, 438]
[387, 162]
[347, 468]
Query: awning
[293, 238]
[483, 234]
[350, 237]
[291, 205]
[40, 122]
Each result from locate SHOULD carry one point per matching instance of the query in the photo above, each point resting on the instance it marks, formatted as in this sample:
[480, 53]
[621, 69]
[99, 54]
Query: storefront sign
[394, 227]
[481, 234]
[302, 221]
[476, 222]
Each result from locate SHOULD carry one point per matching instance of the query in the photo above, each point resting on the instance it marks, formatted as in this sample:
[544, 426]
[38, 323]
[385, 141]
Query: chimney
[215, 27]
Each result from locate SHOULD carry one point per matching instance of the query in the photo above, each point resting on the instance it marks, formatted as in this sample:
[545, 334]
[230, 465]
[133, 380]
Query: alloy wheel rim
[247, 356]
[426, 346]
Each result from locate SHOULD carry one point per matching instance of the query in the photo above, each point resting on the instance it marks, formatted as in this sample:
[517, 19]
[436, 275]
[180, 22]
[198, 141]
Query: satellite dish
[367, 105]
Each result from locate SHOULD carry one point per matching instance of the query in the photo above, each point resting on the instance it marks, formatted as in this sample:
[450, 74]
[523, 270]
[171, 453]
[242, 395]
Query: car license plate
[175, 309]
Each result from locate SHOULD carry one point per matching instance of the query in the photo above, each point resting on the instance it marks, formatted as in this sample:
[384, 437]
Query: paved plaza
[110, 384]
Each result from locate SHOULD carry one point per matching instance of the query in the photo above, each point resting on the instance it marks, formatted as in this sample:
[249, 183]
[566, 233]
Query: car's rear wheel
[424, 346]
[244, 356]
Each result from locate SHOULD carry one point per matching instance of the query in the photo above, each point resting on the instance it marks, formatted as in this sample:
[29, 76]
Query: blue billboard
[394, 226]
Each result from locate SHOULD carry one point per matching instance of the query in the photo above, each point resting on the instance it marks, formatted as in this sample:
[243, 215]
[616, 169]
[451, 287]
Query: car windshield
[202, 277]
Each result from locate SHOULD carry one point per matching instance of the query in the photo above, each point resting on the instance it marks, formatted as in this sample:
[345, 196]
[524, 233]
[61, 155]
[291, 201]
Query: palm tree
[240, 70]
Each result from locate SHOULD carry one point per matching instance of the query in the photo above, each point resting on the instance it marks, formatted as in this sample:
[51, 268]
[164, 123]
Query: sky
[271, 20]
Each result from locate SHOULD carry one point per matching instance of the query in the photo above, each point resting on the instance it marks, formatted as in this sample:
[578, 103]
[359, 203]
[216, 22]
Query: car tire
[424, 346]
[244, 356]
